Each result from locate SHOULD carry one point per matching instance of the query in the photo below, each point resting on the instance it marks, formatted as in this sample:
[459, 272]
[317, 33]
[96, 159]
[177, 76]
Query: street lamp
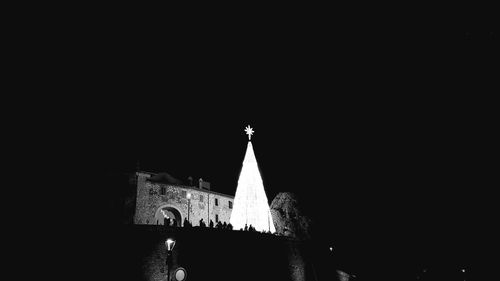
[189, 204]
[170, 243]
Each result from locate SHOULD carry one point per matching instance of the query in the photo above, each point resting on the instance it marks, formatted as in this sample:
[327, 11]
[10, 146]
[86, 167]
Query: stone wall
[201, 205]
[141, 200]
[288, 217]
[206, 254]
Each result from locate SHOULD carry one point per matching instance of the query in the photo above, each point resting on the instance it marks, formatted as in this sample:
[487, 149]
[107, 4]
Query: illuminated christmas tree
[250, 201]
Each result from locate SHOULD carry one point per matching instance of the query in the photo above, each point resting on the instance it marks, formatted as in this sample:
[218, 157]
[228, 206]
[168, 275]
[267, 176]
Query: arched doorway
[168, 212]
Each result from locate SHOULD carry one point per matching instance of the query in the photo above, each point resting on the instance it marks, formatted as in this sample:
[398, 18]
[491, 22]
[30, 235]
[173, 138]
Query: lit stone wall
[141, 204]
[150, 200]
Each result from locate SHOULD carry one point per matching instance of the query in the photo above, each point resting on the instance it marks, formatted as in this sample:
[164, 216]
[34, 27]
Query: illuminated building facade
[156, 201]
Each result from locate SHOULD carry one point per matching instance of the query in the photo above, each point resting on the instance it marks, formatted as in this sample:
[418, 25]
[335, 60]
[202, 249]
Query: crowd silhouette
[171, 222]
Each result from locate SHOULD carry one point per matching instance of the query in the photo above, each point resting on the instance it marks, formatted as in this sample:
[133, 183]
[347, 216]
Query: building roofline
[192, 188]
[183, 186]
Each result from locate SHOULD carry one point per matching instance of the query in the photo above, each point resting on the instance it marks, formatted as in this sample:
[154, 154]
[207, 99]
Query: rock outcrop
[288, 218]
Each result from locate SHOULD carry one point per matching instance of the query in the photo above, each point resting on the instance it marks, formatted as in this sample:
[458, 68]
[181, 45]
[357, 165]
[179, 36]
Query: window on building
[216, 217]
[184, 194]
[163, 190]
[216, 202]
[201, 198]
[230, 205]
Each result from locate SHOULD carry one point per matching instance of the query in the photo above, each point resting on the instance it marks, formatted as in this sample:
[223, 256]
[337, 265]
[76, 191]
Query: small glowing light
[170, 243]
[463, 270]
[331, 249]
[164, 215]
[180, 274]
[189, 196]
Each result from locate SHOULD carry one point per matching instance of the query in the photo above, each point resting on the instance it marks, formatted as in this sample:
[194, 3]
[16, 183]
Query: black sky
[378, 129]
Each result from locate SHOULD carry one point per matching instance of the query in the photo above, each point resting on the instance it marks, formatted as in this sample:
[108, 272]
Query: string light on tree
[250, 201]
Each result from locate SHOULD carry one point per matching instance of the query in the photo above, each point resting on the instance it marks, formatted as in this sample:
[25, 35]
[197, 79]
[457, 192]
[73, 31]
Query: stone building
[158, 200]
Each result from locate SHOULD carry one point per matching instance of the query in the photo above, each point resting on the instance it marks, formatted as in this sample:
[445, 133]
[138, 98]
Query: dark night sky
[384, 144]
[384, 124]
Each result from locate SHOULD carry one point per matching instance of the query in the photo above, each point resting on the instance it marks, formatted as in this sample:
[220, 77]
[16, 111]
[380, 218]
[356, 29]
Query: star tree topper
[249, 132]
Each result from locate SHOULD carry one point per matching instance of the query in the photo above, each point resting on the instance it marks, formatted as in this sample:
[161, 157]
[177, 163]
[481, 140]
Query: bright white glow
[463, 270]
[163, 212]
[331, 249]
[250, 201]
[180, 275]
[249, 131]
[170, 244]
[189, 196]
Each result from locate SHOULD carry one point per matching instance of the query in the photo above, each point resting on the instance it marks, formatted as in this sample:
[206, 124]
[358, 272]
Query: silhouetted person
[246, 227]
[219, 225]
[167, 221]
[211, 224]
[224, 225]
[202, 223]
[186, 223]
[229, 226]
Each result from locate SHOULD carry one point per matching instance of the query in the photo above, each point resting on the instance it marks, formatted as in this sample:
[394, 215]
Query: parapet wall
[139, 253]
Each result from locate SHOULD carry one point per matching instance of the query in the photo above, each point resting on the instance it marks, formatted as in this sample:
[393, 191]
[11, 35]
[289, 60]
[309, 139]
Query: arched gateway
[168, 211]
